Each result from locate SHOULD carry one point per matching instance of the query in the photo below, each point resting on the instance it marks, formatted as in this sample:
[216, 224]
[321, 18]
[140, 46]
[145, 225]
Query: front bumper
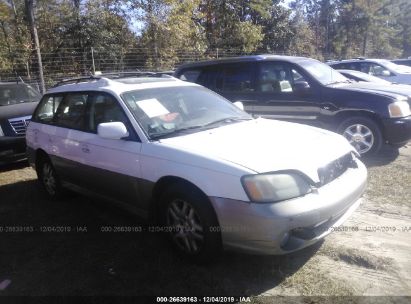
[12, 148]
[397, 131]
[291, 225]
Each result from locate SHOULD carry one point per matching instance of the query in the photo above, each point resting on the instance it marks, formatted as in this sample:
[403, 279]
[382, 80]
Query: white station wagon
[212, 176]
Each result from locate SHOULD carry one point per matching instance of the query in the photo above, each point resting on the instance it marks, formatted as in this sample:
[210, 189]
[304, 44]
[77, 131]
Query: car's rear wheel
[49, 179]
[363, 134]
[190, 223]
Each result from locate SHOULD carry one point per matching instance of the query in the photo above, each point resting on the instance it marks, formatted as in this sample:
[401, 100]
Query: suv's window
[377, 70]
[372, 68]
[72, 111]
[17, 93]
[275, 77]
[238, 78]
[210, 78]
[190, 75]
[47, 109]
[104, 108]
[346, 66]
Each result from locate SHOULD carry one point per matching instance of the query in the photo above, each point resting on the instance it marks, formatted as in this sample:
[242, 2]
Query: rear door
[235, 81]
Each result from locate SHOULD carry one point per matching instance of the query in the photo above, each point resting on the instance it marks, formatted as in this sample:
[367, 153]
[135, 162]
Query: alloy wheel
[360, 136]
[49, 179]
[185, 226]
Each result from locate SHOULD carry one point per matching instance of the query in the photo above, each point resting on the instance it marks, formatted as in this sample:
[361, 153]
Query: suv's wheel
[363, 133]
[190, 223]
[49, 179]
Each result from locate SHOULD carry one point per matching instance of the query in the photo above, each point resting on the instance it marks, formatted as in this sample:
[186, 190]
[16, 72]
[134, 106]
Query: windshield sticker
[152, 107]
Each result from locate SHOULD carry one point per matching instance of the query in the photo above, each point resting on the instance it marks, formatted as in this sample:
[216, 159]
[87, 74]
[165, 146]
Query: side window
[365, 67]
[275, 77]
[378, 70]
[33, 94]
[238, 78]
[47, 109]
[296, 78]
[104, 108]
[210, 78]
[338, 66]
[190, 75]
[72, 111]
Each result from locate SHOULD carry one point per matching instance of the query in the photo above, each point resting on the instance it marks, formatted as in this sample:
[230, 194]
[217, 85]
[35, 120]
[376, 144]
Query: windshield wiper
[339, 81]
[226, 120]
[210, 125]
[161, 135]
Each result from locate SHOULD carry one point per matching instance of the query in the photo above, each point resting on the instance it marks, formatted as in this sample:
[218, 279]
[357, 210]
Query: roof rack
[76, 80]
[116, 75]
[113, 76]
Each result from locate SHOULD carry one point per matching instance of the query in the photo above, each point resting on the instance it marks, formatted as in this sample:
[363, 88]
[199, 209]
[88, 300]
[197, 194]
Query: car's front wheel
[363, 134]
[191, 223]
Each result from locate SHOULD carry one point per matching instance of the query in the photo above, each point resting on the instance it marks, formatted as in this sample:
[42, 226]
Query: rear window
[190, 75]
[72, 112]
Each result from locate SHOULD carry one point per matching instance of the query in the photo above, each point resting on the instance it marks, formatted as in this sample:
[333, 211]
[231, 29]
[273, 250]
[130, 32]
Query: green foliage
[153, 34]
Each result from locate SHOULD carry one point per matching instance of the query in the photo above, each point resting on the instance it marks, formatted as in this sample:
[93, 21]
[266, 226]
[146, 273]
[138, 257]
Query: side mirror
[386, 73]
[239, 105]
[301, 87]
[112, 130]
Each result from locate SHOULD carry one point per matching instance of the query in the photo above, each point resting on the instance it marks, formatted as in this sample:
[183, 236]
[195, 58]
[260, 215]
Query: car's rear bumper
[397, 130]
[12, 148]
[284, 227]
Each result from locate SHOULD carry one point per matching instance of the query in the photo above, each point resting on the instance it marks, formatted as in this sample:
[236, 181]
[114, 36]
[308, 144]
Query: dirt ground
[371, 255]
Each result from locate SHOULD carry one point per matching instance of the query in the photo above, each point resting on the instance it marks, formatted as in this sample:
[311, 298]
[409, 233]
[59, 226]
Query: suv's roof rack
[76, 80]
[116, 75]
[113, 76]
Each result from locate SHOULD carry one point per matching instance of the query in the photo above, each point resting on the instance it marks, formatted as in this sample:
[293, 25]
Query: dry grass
[355, 256]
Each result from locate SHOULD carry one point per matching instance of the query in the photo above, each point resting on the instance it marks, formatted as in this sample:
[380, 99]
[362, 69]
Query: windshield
[368, 77]
[322, 72]
[14, 93]
[174, 111]
[395, 67]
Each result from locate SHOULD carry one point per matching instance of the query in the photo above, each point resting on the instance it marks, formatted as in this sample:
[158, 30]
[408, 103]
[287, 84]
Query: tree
[35, 41]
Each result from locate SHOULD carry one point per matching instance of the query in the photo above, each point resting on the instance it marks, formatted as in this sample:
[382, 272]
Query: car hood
[263, 145]
[17, 110]
[391, 91]
[390, 88]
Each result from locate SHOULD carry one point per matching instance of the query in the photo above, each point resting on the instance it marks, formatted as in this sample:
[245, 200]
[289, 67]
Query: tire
[49, 180]
[363, 133]
[190, 223]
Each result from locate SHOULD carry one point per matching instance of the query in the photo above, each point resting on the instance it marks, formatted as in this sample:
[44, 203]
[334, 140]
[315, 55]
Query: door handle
[85, 149]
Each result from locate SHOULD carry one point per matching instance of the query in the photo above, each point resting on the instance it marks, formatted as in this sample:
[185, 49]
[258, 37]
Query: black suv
[307, 91]
[17, 103]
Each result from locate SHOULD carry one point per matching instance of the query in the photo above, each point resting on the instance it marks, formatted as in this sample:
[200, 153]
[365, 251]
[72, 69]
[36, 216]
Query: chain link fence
[74, 62]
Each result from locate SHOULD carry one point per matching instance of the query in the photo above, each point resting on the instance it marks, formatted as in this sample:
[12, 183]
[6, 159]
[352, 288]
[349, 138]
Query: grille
[336, 168]
[20, 124]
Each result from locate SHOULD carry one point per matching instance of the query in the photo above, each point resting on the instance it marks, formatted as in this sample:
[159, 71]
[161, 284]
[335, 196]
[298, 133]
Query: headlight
[399, 109]
[1, 132]
[274, 187]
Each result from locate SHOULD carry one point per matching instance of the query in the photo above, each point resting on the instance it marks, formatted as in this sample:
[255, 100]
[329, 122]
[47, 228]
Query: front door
[114, 164]
[283, 92]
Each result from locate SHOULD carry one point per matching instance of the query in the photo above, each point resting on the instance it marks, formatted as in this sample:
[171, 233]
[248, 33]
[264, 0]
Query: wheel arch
[40, 155]
[162, 184]
[344, 115]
